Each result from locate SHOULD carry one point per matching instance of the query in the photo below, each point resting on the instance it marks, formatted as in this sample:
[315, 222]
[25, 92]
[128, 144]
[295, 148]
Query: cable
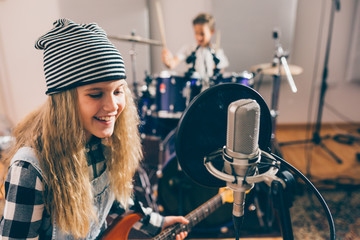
[316, 192]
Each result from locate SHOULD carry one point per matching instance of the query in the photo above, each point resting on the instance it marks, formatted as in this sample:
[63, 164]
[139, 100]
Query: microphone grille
[243, 126]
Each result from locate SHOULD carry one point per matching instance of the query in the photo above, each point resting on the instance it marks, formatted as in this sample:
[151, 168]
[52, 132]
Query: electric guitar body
[120, 227]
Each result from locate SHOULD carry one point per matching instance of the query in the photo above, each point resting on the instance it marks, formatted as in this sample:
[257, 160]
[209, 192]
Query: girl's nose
[110, 104]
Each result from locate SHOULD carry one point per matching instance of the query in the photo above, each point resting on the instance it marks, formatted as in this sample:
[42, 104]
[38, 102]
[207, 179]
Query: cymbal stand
[133, 67]
[280, 60]
[316, 134]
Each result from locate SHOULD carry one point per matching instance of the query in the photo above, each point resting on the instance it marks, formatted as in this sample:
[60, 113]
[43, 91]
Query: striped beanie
[78, 54]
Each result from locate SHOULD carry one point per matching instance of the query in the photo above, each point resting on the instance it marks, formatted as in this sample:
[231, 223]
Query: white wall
[22, 84]
[117, 18]
[21, 79]
[311, 36]
[248, 41]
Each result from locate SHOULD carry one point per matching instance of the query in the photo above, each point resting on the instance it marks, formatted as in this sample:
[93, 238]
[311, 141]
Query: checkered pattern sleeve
[151, 223]
[24, 204]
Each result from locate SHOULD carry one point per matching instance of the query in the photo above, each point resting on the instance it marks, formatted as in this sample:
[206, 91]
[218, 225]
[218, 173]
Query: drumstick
[217, 40]
[161, 23]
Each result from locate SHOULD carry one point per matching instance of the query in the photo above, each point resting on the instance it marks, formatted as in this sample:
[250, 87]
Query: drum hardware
[145, 103]
[133, 39]
[273, 69]
[136, 39]
[280, 57]
[187, 92]
[245, 78]
[279, 67]
[143, 188]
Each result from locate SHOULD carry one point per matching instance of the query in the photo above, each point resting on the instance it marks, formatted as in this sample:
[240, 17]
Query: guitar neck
[194, 218]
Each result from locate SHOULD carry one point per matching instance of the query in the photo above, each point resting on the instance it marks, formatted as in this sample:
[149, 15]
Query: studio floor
[313, 160]
[339, 183]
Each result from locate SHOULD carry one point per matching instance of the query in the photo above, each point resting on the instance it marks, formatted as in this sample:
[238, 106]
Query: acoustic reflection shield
[202, 129]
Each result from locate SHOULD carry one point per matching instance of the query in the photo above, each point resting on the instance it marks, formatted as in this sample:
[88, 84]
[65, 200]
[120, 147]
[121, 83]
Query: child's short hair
[205, 18]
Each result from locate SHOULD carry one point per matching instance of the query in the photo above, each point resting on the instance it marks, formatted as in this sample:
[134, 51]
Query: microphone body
[241, 153]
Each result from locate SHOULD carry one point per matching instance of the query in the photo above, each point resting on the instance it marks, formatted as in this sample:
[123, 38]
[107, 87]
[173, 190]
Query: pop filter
[203, 125]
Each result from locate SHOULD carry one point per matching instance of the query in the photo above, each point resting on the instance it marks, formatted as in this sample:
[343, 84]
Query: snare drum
[245, 78]
[173, 94]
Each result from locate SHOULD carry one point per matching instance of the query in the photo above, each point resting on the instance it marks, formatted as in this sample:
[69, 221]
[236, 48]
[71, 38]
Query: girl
[75, 157]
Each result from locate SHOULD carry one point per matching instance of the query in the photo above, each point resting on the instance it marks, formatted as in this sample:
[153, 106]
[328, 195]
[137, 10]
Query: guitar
[121, 227]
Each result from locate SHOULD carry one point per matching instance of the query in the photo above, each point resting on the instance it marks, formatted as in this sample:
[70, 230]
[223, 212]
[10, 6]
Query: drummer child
[206, 59]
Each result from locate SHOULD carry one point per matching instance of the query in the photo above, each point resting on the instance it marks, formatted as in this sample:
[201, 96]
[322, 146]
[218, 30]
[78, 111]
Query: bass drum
[179, 195]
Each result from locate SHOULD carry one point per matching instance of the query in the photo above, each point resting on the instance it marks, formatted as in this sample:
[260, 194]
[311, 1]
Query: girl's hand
[170, 220]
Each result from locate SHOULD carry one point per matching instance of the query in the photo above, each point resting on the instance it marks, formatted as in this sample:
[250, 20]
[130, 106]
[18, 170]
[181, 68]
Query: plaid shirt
[25, 216]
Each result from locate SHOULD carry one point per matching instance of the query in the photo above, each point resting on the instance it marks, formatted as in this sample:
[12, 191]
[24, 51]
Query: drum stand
[274, 113]
[178, 178]
[280, 60]
[133, 67]
[144, 188]
[133, 38]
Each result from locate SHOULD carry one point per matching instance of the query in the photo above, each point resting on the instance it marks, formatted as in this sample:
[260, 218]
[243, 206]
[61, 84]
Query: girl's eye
[119, 91]
[97, 95]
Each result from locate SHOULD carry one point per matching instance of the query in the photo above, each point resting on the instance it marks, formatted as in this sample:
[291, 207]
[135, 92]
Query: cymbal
[269, 69]
[137, 39]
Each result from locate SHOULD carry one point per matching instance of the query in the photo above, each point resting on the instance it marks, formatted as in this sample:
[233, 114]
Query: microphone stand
[282, 200]
[282, 187]
[316, 134]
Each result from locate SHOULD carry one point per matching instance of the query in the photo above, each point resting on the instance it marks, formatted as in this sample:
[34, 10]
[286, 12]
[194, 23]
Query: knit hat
[78, 54]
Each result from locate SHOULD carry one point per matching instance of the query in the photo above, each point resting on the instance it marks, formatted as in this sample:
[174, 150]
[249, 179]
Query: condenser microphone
[242, 152]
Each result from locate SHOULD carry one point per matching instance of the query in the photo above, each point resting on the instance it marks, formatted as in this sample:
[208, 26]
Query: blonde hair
[55, 132]
[205, 18]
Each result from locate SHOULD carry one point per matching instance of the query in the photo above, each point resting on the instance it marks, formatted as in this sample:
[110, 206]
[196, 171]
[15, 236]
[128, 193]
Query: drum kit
[166, 96]
[161, 101]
